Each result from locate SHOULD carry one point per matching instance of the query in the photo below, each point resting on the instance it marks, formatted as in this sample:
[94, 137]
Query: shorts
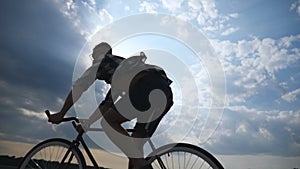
[139, 94]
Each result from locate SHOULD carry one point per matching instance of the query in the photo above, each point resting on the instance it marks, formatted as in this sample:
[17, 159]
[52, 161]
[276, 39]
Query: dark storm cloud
[38, 49]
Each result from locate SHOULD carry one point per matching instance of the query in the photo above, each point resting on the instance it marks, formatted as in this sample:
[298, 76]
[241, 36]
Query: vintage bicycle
[59, 153]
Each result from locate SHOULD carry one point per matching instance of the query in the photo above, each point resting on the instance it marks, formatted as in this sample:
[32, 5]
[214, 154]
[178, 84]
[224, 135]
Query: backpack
[133, 69]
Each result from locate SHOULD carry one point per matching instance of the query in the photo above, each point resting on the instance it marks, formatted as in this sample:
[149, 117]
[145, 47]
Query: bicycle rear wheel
[182, 156]
[54, 154]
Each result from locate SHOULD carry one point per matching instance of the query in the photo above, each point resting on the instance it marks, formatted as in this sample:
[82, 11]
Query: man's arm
[57, 118]
[79, 86]
[68, 104]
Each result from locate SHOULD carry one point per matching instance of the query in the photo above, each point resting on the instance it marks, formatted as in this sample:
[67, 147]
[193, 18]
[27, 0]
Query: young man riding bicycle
[133, 94]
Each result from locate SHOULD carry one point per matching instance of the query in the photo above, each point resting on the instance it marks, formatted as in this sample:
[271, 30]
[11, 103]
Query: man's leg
[144, 131]
[111, 123]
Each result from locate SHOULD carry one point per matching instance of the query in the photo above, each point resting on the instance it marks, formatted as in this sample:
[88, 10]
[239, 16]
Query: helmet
[101, 49]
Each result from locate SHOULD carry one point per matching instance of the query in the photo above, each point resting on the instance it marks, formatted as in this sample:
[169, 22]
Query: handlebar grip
[47, 113]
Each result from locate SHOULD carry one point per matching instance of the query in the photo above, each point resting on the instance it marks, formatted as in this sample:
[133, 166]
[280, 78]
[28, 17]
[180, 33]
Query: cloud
[265, 133]
[195, 4]
[253, 64]
[209, 7]
[210, 21]
[287, 41]
[229, 31]
[91, 4]
[172, 5]
[253, 68]
[86, 16]
[242, 128]
[22, 110]
[31, 113]
[254, 131]
[148, 7]
[89, 16]
[36, 67]
[104, 15]
[295, 6]
[70, 9]
[33, 55]
[291, 96]
[234, 15]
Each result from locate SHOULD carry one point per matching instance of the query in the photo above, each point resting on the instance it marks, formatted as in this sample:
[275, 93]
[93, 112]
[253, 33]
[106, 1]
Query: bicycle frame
[79, 140]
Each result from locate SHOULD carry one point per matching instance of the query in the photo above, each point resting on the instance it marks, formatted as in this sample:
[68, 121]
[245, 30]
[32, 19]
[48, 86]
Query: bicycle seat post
[151, 144]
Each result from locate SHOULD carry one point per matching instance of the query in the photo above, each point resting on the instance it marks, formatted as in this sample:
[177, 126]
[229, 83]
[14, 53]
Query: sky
[235, 67]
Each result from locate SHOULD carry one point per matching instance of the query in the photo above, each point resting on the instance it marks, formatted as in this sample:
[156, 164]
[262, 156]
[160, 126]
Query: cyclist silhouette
[141, 85]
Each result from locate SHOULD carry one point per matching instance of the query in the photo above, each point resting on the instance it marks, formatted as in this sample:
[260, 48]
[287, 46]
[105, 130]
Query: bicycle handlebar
[75, 119]
[64, 119]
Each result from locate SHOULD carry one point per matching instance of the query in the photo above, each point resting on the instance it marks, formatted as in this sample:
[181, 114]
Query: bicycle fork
[75, 144]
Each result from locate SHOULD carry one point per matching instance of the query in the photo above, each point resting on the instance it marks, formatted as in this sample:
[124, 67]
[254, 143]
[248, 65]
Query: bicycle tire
[49, 154]
[182, 156]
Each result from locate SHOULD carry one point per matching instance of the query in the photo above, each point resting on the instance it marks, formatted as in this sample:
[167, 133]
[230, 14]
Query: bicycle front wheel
[55, 154]
[182, 156]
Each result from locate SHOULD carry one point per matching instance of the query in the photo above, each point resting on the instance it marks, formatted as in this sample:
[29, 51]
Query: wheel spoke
[185, 156]
[53, 154]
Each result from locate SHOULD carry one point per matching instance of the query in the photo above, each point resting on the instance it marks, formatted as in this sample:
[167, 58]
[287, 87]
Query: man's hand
[56, 118]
